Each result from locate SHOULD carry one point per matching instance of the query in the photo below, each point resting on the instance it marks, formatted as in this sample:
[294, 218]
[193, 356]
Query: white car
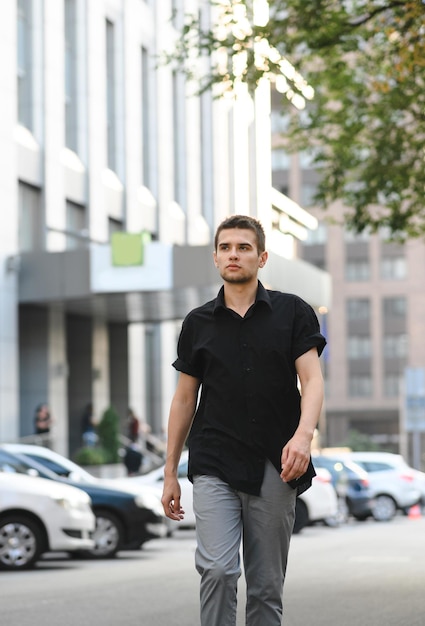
[38, 516]
[317, 504]
[66, 468]
[393, 484]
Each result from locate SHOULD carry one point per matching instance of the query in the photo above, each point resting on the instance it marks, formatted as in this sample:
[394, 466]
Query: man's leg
[218, 531]
[268, 521]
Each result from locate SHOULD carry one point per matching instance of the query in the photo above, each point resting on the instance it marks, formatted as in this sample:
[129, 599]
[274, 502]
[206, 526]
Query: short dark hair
[244, 222]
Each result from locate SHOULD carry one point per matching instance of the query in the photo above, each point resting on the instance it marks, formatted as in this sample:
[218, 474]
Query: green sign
[127, 249]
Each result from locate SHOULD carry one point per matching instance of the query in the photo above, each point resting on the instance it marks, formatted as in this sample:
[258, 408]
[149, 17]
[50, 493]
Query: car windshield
[18, 464]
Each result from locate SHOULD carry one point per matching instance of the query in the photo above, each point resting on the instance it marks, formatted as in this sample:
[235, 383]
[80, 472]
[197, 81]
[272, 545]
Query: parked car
[124, 520]
[351, 483]
[393, 483]
[319, 503]
[38, 516]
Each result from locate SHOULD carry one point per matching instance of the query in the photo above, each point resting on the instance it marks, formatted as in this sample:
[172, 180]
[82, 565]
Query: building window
[179, 124]
[76, 225]
[308, 193]
[394, 307]
[395, 346]
[360, 386]
[393, 268]
[31, 219]
[146, 119]
[391, 385]
[114, 226]
[281, 160]
[71, 75]
[359, 347]
[358, 309]
[24, 65]
[357, 270]
[110, 96]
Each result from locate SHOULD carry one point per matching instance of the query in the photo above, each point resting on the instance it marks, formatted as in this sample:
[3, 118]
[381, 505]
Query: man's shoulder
[200, 311]
[282, 296]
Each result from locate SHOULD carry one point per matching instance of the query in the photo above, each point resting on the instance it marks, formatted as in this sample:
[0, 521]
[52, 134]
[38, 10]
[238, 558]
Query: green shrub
[108, 432]
[90, 456]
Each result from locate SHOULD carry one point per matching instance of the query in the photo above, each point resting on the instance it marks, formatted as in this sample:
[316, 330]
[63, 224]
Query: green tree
[365, 123]
[108, 431]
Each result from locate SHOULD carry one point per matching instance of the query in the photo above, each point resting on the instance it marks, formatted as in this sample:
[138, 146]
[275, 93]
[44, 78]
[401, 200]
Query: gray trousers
[224, 518]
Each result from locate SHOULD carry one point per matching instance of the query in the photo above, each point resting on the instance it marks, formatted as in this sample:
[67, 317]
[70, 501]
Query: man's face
[237, 257]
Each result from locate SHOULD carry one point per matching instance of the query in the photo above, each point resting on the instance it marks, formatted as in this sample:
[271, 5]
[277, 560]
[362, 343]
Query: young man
[250, 435]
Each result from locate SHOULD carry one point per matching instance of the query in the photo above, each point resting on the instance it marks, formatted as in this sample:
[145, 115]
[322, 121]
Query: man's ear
[215, 258]
[263, 258]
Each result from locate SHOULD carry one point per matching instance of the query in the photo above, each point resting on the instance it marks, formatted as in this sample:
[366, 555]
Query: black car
[351, 484]
[122, 518]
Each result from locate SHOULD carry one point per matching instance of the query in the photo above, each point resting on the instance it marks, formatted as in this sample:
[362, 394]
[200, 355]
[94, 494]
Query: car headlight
[149, 501]
[78, 504]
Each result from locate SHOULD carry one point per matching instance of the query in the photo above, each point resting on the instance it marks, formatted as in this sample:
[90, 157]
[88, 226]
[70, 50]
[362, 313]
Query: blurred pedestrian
[42, 420]
[250, 431]
[133, 458]
[88, 427]
[133, 426]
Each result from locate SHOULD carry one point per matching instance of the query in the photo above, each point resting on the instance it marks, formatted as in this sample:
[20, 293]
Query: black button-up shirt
[249, 405]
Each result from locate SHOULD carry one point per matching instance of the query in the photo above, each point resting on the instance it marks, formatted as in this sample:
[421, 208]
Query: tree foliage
[365, 60]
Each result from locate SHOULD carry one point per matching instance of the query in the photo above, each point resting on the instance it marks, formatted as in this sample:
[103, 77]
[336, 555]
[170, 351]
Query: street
[361, 574]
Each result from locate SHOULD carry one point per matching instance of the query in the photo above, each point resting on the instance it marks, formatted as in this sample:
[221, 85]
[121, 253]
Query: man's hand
[295, 457]
[171, 499]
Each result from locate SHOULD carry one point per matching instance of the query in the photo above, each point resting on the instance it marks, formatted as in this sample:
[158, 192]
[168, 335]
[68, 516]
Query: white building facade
[98, 140]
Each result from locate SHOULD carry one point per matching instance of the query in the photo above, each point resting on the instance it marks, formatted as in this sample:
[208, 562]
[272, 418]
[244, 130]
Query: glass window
[110, 95]
[75, 225]
[146, 122]
[317, 236]
[357, 269]
[308, 192]
[393, 268]
[395, 346]
[31, 218]
[391, 385]
[395, 307]
[279, 122]
[24, 66]
[179, 143]
[70, 76]
[281, 160]
[358, 309]
[352, 236]
[360, 386]
[359, 347]
[114, 226]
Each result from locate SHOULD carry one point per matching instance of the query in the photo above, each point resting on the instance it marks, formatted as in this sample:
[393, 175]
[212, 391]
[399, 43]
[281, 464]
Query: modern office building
[376, 324]
[113, 178]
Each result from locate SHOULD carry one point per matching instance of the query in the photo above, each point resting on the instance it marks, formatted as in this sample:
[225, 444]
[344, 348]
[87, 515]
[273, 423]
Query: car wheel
[301, 516]
[21, 542]
[384, 508]
[108, 536]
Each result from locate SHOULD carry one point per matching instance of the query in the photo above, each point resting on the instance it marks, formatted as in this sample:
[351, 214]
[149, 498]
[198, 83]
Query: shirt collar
[262, 296]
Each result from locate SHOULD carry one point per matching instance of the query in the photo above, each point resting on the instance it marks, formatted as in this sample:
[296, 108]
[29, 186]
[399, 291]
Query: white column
[100, 367]
[54, 123]
[58, 378]
[9, 379]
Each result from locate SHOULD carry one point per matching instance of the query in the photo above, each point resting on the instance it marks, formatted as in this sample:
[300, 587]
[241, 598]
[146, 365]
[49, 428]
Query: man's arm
[182, 410]
[296, 453]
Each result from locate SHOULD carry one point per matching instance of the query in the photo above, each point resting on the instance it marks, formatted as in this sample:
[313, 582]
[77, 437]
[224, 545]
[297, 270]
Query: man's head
[243, 222]
[239, 249]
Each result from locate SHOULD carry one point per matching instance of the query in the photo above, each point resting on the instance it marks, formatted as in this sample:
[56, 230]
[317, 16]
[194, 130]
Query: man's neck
[240, 296]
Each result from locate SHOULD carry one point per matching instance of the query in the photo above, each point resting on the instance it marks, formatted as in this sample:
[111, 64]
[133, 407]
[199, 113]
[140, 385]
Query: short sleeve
[306, 330]
[186, 361]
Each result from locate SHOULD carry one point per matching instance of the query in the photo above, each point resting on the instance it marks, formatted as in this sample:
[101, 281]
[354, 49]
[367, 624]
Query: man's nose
[234, 252]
